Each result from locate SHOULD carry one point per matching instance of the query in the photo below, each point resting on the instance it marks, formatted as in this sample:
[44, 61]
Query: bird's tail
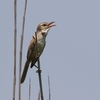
[24, 71]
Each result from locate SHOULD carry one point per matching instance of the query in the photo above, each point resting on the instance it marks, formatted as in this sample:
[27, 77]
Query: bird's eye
[44, 24]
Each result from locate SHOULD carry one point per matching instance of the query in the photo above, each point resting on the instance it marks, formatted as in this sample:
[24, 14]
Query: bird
[36, 46]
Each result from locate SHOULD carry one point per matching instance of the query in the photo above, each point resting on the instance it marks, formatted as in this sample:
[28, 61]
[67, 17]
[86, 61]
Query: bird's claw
[39, 71]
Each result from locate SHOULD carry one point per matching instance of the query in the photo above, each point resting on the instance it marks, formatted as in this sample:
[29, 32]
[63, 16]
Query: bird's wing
[30, 55]
[31, 49]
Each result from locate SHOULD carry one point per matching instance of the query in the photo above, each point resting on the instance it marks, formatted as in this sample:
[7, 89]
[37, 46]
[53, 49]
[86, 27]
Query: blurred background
[72, 54]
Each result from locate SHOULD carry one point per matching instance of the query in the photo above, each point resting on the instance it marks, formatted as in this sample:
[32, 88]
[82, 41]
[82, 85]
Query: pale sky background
[72, 54]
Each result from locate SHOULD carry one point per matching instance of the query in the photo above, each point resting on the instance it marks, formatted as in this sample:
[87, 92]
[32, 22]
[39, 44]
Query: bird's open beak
[51, 24]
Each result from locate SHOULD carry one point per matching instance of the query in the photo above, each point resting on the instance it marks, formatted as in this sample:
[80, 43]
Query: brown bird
[36, 45]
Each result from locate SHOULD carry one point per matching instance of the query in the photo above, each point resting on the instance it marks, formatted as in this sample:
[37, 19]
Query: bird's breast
[40, 45]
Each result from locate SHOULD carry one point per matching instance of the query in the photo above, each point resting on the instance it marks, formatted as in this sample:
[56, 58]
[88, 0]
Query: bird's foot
[39, 71]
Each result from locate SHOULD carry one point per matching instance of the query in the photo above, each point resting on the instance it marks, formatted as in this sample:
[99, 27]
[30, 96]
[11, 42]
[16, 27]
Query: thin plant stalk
[39, 95]
[21, 46]
[29, 89]
[15, 36]
[49, 88]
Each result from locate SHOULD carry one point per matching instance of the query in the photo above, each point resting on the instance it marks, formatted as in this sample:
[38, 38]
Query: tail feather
[24, 71]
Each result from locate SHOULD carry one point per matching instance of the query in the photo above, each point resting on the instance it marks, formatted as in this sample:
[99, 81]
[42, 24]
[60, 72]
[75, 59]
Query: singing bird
[36, 45]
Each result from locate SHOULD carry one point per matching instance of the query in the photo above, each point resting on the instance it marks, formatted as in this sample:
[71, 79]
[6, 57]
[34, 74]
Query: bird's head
[44, 27]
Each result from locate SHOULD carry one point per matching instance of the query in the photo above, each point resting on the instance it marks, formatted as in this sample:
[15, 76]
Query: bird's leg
[36, 66]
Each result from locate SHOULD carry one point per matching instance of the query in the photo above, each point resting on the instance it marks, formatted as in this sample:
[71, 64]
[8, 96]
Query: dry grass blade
[15, 34]
[49, 88]
[29, 89]
[39, 95]
[21, 45]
